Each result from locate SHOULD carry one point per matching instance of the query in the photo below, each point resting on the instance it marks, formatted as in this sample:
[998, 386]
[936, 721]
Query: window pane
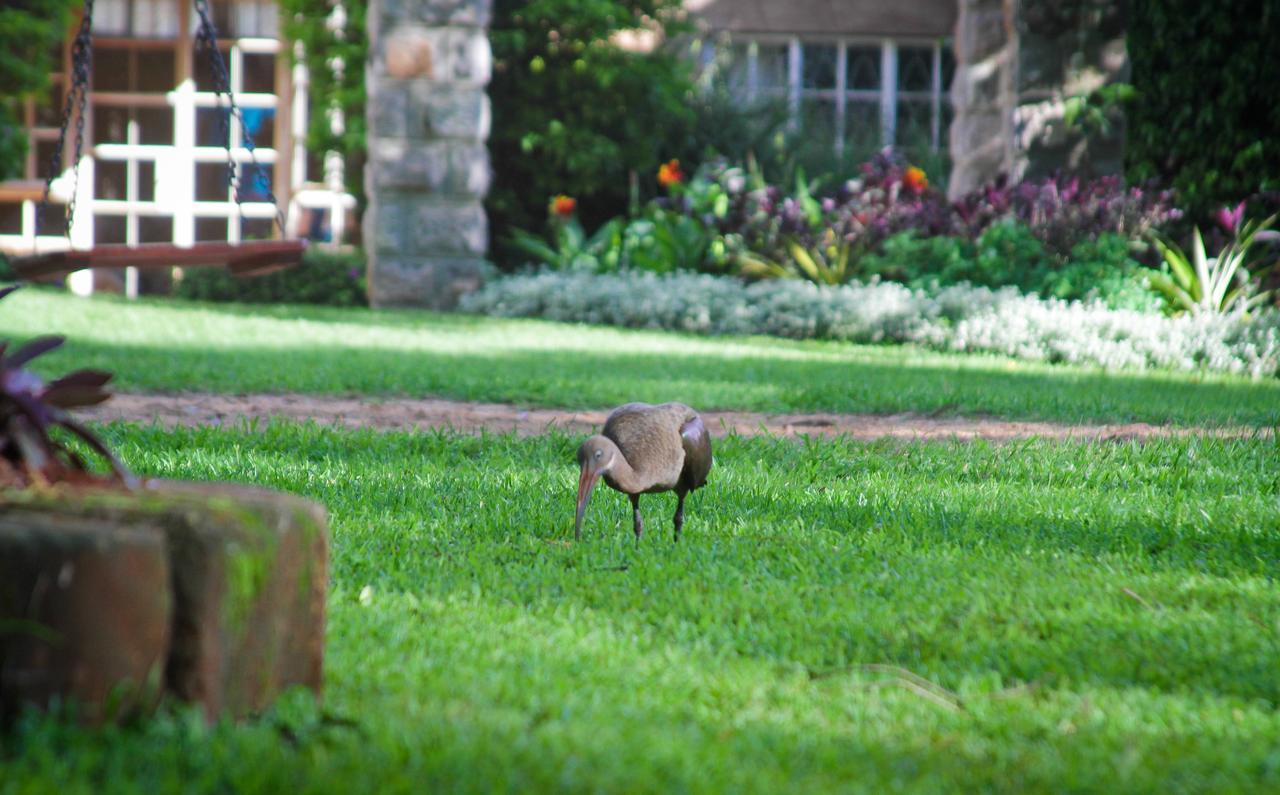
[915, 68]
[110, 69]
[109, 229]
[818, 120]
[819, 66]
[202, 66]
[157, 71]
[256, 229]
[146, 189]
[11, 218]
[259, 75]
[110, 124]
[44, 157]
[268, 19]
[155, 126]
[211, 182]
[244, 18]
[221, 18]
[110, 17]
[255, 182]
[209, 126]
[772, 66]
[211, 229]
[732, 65]
[158, 229]
[861, 126]
[109, 179]
[49, 109]
[948, 66]
[155, 18]
[259, 126]
[862, 69]
[51, 219]
[914, 124]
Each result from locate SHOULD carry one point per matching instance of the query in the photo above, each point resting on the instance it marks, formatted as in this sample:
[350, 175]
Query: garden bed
[959, 318]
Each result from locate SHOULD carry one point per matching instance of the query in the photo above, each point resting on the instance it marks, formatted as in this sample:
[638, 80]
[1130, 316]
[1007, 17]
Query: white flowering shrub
[955, 318]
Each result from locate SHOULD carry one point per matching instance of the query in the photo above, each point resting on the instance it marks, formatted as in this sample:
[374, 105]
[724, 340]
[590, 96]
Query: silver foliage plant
[957, 318]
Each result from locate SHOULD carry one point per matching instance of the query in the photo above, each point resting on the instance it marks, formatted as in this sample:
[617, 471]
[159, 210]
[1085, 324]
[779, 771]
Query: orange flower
[669, 174]
[563, 206]
[914, 179]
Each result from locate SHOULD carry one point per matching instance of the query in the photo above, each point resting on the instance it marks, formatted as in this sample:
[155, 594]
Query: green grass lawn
[1088, 617]
[173, 346]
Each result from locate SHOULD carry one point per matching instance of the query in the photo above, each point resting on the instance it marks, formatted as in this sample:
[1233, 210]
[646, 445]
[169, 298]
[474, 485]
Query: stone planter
[213, 593]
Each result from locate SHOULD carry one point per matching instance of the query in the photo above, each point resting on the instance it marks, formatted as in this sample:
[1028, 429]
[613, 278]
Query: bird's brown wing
[649, 438]
[697, 454]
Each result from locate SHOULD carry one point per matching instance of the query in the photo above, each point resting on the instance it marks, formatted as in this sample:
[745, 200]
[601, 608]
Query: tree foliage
[1205, 116]
[573, 113]
[30, 32]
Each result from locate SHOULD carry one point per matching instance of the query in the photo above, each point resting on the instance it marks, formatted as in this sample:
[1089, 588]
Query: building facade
[859, 74]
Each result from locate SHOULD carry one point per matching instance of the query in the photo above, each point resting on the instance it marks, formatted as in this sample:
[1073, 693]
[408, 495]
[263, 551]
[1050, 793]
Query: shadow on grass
[577, 379]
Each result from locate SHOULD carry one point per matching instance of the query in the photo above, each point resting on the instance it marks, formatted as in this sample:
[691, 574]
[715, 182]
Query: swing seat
[253, 258]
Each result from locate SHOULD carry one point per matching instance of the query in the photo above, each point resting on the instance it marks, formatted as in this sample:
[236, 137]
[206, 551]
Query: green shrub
[324, 277]
[573, 113]
[1204, 117]
[1008, 254]
[30, 31]
[914, 260]
[308, 22]
[1102, 269]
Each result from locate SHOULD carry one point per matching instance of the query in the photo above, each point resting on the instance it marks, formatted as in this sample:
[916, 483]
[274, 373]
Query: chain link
[77, 93]
[207, 38]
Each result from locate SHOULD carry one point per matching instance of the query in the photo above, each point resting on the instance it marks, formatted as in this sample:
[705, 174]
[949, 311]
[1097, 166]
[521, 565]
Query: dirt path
[190, 409]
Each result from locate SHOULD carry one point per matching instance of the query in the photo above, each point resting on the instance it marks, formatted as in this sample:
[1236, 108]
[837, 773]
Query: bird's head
[596, 456]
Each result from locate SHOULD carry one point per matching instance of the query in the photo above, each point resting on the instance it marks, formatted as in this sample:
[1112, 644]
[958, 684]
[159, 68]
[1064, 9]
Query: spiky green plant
[1223, 284]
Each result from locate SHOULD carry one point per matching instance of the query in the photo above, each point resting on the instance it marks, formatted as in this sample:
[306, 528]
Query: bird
[644, 449]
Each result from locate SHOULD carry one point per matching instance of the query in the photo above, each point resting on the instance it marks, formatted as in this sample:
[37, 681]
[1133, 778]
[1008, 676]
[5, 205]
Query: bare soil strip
[195, 409]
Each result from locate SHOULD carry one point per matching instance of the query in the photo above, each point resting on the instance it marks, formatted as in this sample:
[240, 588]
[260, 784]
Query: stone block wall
[982, 92]
[428, 164]
[1017, 63]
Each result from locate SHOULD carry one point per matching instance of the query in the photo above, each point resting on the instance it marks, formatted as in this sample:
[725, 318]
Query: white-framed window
[159, 141]
[856, 93]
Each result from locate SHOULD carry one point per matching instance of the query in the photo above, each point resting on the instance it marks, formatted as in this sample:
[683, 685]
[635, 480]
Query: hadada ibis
[645, 449]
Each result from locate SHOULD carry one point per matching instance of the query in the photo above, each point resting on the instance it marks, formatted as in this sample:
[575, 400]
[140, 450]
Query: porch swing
[246, 258]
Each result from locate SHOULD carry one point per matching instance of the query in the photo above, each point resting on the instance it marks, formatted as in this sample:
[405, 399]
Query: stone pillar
[427, 173]
[982, 93]
[1018, 63]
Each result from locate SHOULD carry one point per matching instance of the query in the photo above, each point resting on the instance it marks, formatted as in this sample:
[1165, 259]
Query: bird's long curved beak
[586, 482]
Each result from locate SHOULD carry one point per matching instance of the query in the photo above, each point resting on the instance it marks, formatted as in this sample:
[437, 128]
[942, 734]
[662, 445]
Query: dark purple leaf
[34, 348]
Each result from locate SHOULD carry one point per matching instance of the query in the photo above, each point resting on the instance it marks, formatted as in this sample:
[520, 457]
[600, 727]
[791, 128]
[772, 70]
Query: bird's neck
[622, 477]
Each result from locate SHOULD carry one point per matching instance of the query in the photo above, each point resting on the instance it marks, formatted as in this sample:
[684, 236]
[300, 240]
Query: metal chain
[77, 92]
[207, 37]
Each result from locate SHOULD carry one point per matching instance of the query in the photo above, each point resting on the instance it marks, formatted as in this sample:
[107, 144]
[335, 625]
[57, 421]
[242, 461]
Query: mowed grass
[173, 346]
[1082, 617]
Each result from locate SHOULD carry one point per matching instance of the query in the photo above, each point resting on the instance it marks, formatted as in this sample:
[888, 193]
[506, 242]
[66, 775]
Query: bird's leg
[679, 518]
[635, 510]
